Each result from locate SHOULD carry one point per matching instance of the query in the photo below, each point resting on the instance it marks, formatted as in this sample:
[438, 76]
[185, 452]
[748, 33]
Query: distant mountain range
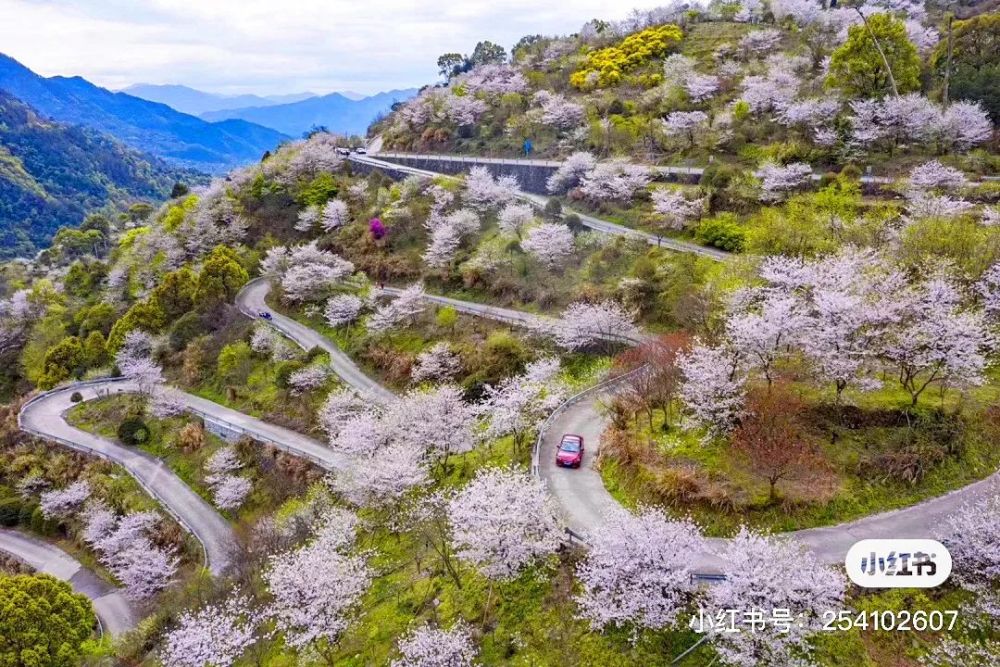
[335, 111]
[197, 102]
[52, 175]
[148, 126]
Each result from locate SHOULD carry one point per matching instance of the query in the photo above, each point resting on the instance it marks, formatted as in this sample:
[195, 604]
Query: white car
[360, 151]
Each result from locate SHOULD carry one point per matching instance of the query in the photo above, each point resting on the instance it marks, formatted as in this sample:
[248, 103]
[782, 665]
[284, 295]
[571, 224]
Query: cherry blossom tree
[685, 124]
[713, 389]
[494, 79]
[308, 217]
[276, 261]
[335, 215]
[229, 492]
[637, 571]
[803, 12]
[935, 176]
[434, 647]
[571, 171]
[676, 209]
[770, 92]
[316, 155]
[810, 113]
[316, 592]
[763, 574]
[936, 341]
[988, 289]
[615, 180]
[761, 324]
[313, 272]
[342, 309]
[777, 181]
[760, 42]
[585, 324]
[550, 243]
[502, 522]
[125, 548]
[384, 476]
[972, 533]
[216, 635]
[406, 306]
[483, 192]
[438, 362]
[464, 109]
[447, 232]
[310, 378]
[515, 217]
[557, 111]
[519, 403]
[341, 405]
[964, 125]
[63, 503]
[951, 652]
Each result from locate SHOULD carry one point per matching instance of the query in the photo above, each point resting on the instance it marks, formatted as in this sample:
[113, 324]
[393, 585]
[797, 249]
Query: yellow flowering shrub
[608, 66]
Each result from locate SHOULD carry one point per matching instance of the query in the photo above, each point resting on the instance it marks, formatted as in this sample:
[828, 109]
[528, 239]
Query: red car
[570, 452]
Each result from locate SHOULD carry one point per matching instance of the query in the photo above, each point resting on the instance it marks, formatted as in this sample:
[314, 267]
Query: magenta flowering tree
[376, 228]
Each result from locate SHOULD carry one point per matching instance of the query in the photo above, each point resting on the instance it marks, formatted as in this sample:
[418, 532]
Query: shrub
[133, 431]
[41, 525]
[76, 397]
[10, 512]
[314, 353]
[285, 371]
[188, 327]
[191, 438]
[553, 208]
[574, 223]
[722, 231]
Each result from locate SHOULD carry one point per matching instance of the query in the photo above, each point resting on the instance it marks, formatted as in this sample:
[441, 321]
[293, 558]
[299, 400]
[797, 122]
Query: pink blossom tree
[571, 172]
[434, 647]
[615, 180]
[761, 326]
[638, 570]
[438, 362]
[312, 273]
[335, 215]
[502, 522]
[125, 548]
[315, 594]
[310, 378]
[483, 192]
[677, 211]
[763, 574]
[342, 309]
[936, 341]
[760, 42]
[557, 111]
[384, 476]
[713, 390]
[519, 403]
[972, 533]
[308, 217]
[515, 217]
[63, 503]
[216, 635]
[964, 125]
[935, 176]
[585, 324]
[403, 308]
[685, 124]
[777, 181]
[464, 109]
[550, 243]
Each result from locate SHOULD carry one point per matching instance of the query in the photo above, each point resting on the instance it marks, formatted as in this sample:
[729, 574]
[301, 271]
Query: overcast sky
[274, 46]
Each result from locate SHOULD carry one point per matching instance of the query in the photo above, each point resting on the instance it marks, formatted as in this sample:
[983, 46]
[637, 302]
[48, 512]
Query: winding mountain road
[252, 300]
[110, 605]
[588, 221]
[585, 500]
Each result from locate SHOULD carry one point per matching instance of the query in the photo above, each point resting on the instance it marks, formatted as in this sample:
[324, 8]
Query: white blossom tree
[777, 181]
[971, 534]
[638, 570]
[434, 647]
[342, 309]
[384, 476]
[713, 389]
[557, 111]
[502, 522]
[685, 124]
[403, 308]
[519, 403]
[676, 210]
[935, 176]
[763, 574]
[125, 548]
[571, 172]
[964, 125]
[438, 362]
[615, 180]
[551, 243]
[63, 503]
[216, 635]
[308, 217]
[585, 324]
[335, 215]
[316, 592]
[483, 192]
[515, 217]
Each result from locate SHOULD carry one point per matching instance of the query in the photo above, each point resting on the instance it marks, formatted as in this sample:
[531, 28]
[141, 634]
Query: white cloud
[271, 46]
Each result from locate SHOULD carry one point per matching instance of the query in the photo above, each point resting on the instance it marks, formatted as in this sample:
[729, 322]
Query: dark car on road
[570, 452]
[265, 315]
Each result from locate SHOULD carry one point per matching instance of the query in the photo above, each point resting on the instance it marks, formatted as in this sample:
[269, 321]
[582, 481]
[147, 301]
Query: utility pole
[947, 67]
[878, 47]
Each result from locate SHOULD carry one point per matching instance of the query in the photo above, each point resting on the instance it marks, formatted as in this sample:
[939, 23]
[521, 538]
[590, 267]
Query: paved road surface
[45, 416]
[588, 221]
[251, 301]
[109, 603]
